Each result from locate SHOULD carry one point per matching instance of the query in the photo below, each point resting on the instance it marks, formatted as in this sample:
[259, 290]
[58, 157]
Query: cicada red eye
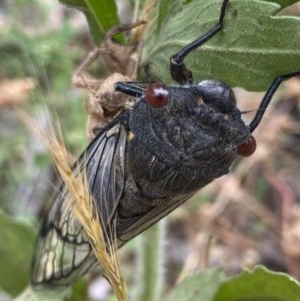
[248, 147]
[156, 95]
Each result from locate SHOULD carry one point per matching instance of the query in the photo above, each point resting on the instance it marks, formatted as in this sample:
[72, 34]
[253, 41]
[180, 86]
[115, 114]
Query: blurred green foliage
[31, 48]
[17, 235]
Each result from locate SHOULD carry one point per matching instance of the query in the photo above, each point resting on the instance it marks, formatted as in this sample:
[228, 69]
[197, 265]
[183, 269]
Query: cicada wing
[131, 227]
[63, 252]
[105, 171]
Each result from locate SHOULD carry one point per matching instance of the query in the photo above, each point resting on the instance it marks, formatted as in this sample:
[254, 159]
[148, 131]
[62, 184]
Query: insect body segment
[176, 149]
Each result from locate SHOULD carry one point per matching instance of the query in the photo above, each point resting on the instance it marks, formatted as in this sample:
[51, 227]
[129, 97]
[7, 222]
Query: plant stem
[150, 253]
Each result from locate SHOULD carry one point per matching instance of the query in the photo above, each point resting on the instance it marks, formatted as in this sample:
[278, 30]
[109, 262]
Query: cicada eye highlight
[248, 147]
[156, 95]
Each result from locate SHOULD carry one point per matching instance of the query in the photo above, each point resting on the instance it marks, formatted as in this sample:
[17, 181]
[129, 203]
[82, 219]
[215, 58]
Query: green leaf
[101, 15]
[79, 4]
[79, 290]
[165, 9]
[16, 249]
[45, 294]
[259, 285]
[77, 293]
[252, 49]
[283, 3]
[201, 287]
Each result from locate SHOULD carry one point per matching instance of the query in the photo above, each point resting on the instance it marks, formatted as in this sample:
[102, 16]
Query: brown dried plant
[85, 210]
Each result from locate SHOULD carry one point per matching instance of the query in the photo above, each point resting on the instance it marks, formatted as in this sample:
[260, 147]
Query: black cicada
[149, 160]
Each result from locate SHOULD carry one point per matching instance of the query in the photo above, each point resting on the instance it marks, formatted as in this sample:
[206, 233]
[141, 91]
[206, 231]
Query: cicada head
[198, 126]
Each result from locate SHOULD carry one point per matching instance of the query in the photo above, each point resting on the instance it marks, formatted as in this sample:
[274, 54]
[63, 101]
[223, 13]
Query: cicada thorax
[179, 140]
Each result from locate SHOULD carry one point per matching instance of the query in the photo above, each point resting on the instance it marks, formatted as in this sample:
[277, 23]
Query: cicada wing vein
[63, 252]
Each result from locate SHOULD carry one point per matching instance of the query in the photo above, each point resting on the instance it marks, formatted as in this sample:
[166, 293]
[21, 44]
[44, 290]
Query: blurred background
[249, 217]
